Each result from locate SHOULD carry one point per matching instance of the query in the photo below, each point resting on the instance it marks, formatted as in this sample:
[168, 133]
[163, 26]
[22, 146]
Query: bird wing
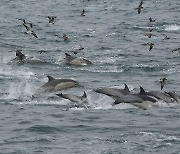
[27, 28]
[141, 3]
[34, 34]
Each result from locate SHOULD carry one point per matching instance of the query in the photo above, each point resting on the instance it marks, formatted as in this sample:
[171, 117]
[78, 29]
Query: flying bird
[162, 82]
[24, 22]
[41, 51]
[65, 37]
[51, 19]
[83, 13]
[166, 37]
[76, 50]
[150, 44]
[139, 7]
[149, 35]
[29, 31]
[151, 20]
[151, 29]
[177, 49]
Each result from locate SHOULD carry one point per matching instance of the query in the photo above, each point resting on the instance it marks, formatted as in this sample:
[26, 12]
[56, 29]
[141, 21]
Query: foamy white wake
[172, 27]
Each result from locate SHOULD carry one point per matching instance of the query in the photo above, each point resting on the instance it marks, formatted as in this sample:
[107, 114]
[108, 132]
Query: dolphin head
[54, 85]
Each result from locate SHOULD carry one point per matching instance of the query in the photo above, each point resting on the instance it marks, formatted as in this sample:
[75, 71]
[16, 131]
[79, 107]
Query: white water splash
[173, 27]
[10, 72]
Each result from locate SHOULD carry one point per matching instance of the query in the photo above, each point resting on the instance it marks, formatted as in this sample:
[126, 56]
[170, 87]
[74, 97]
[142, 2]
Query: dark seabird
[150, 45]
[41, 51]
[148, 35]
[24, 22]
[51, 19]
[140, 7]
[177, 49]
[151, 29]
[162, 82]
[151, 20]
[76, 50]
[166, 37]
[29, 31]
[65, 37]
[83, 13]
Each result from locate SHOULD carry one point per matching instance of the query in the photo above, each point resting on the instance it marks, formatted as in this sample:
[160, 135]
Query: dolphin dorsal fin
[84, 95]
[50, 78]
[142, 91]
[126, 88]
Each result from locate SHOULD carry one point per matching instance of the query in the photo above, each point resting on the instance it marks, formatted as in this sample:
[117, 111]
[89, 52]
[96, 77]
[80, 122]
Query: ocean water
[113, 36]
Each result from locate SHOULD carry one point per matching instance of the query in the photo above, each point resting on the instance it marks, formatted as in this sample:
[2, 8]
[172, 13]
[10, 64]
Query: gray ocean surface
[113, 36]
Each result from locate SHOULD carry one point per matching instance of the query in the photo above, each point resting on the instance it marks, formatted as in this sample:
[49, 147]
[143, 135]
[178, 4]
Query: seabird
[177, 49]
[41, 51]
[166, 37]
[29, 31]
[151, 20]
[148, 35]
[151, 29]
[76, 50]
[162, 82]
[65, 37]
[24, 22]
[83, 13]
[51, 19]
[140, 7]
[150, 45]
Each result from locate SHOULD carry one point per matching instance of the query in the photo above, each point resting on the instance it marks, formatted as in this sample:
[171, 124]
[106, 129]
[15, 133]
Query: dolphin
[142, 94]
[72, 60]
[114, 92]
[128, 99]
[81, 100]
[136, 100]
[174, 96]
[159, 95]
[21, 58]
[54, 85]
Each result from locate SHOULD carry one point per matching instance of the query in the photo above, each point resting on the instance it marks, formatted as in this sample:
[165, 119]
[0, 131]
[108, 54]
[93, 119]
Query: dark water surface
[113, 35]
